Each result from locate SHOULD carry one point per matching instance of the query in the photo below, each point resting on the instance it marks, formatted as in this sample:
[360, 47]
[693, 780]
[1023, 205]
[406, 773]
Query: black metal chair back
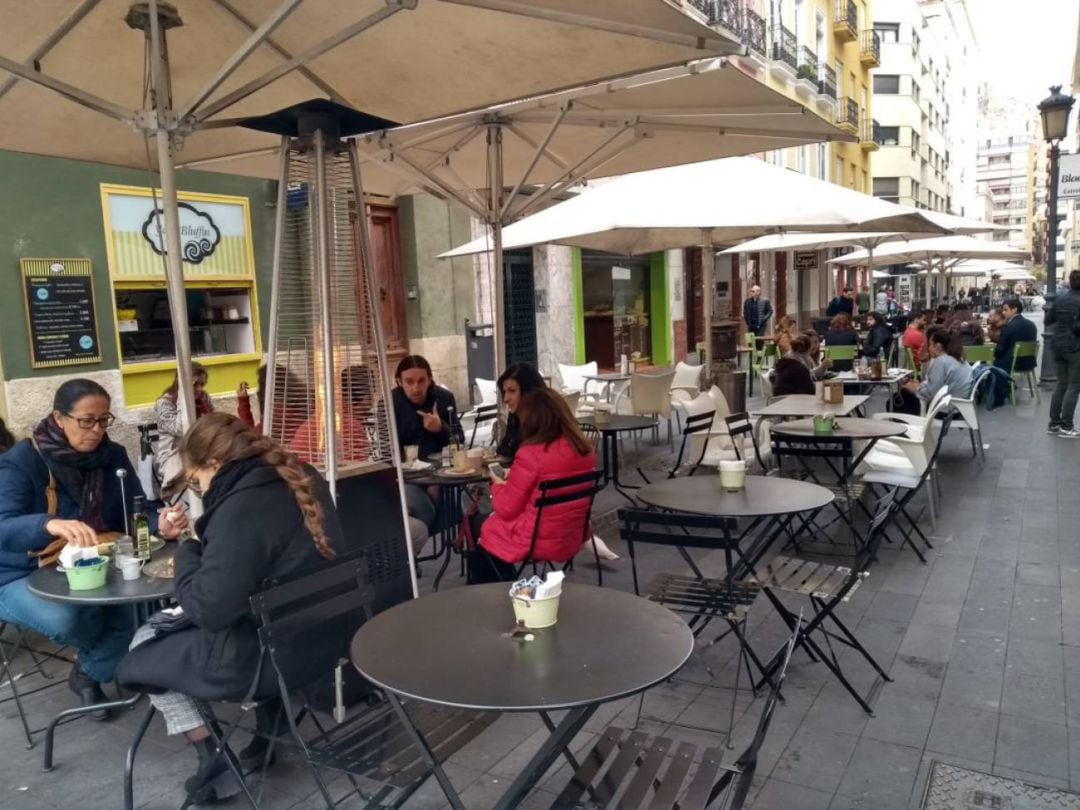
[836, 453]
[698, 423]
[678, 530]
[482, 414]
[739, 427]
[561, 491]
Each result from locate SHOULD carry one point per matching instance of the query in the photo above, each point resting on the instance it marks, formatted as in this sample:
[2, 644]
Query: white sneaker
[1072, 433]
[602, 551]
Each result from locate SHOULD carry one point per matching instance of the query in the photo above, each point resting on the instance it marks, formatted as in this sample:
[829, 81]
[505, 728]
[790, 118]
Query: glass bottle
[140, 528]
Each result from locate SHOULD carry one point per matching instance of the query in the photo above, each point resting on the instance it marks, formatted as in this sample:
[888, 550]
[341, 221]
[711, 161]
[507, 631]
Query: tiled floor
[982, 643]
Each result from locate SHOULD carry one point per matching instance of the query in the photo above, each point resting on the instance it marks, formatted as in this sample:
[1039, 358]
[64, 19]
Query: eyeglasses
[88, 422]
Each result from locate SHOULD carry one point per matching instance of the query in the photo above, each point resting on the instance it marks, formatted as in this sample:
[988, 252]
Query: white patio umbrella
[715, 202]
[403, 60]
[939, 254]
[509, 160]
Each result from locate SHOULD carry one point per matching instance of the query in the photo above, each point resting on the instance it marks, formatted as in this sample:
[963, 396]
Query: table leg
[418, 739]
[446, 531]
[535, 768]
[614, 456]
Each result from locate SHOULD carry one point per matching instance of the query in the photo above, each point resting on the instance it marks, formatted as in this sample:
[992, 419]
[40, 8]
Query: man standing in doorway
[1064, 315]
[841, 303]
[756, 311]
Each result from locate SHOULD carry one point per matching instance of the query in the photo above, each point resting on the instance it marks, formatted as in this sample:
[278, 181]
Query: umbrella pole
[267, 396]
[367, 264]
[170, 210]
[495, 173]
[706, 301]
[326, 325]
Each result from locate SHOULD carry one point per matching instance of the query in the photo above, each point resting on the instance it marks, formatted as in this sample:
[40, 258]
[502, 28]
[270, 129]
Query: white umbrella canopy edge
[950, 248]
[278, 56]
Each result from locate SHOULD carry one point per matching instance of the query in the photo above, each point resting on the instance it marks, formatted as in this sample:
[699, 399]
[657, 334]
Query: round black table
[140, 594]
[609, 434]
[848, 430]
[763, 496]
[422, 649]
[450, 509]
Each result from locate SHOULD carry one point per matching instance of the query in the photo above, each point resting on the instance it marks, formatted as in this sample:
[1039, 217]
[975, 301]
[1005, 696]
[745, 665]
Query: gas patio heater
[327, 383]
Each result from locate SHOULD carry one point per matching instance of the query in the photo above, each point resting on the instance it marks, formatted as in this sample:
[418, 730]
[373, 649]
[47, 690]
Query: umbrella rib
[254, 40]
[538, 152]
[192, 164]
[303, 70]
[288, 66]
[52, 41]
[69, 91]
[418, 172]
[718, 45]
[554, 157]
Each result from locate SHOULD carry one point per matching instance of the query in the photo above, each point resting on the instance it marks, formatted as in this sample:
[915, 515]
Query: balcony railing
[827, 81]
[848, 114]
[754, 31]
[846, 20]
[869, 133]
[870, 48]
[729, 14]
[784, 46]
[808, 64]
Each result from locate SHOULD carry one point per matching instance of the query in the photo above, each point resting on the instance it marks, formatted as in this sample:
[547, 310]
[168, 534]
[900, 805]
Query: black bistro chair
[583, 487]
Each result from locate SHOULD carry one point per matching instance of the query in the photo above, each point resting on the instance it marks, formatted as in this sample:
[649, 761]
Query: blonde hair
[223, 437]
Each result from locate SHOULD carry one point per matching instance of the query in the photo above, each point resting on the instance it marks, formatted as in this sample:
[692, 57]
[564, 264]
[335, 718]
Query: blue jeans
[100, 635]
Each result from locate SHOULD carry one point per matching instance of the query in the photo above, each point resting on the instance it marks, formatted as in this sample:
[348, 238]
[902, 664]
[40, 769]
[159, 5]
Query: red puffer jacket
[508, 532]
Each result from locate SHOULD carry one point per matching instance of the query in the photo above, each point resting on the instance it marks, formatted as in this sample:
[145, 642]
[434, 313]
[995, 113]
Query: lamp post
[1054, 111]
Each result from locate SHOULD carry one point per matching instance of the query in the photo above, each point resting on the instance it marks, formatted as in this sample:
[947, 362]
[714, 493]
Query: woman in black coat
[840, 333]
[266, 517]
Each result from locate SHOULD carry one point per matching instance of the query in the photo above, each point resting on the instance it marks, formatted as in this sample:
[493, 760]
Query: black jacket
[1015, 331]
[410, 427]
[878, 341]
[251, 533]
[842, 337]
[757, 313]
[840, 304]
[790, 376]
[1064, 316]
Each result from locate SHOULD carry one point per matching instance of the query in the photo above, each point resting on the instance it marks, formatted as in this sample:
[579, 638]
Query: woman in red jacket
[552, 447]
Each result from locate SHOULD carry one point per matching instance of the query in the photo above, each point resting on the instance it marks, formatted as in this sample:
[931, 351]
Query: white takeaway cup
[733, 475]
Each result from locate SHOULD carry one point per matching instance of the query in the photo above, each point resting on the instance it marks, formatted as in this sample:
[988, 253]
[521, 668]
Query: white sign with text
[1069, 177]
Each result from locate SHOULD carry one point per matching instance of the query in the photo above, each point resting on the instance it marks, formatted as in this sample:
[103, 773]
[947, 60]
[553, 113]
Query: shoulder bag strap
[50, 488]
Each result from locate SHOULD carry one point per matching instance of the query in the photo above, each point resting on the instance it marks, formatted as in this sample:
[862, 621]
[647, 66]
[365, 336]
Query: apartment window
[999, 160]
[887, 84]
[887, 187]
[888, 32]
[822, 161]
[889, 136]
[854, 175]
[838, 172]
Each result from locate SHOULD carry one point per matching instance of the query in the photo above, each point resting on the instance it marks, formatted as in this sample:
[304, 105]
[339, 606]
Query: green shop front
[621, 308]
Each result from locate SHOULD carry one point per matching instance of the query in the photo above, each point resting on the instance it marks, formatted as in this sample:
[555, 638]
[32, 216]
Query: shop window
[219, 323]
[617, 307]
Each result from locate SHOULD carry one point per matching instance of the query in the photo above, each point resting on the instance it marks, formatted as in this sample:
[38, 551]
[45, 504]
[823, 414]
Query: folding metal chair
[560, 491]
[739, 428]
[827, 587]
[633, 769]
[10, 678]
[481, 415]
[699, 423]
[1024, 349]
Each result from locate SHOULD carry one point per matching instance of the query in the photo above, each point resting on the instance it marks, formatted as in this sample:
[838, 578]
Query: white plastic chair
[572, 378]
[649, 395]
[967, 411]
[489, 393]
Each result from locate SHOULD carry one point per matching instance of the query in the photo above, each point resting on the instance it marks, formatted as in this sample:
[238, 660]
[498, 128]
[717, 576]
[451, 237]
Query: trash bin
[732, 384]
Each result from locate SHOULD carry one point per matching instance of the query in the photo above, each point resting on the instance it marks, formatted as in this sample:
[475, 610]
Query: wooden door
[389, 278]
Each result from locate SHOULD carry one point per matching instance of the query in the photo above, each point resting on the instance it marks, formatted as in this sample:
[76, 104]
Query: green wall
[51, 207]
[660, 316]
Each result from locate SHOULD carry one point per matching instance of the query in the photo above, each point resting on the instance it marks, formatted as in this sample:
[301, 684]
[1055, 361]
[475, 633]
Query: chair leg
[129, 760]
[933, 505]
[10, 679]
[982, 450]
[974, 448]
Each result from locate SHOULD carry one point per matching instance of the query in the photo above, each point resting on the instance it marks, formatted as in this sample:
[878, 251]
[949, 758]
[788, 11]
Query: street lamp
[1054, 110]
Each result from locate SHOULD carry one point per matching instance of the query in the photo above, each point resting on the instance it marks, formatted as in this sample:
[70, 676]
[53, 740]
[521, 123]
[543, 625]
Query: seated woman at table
[62, 485]
[806, 348]
[879, 338]
[293, 402]
[167, 418]
[786, 329]
[552, 447]
[946, 368]
[514, 383]
[840, 333]
[425, 415]
[267, 517]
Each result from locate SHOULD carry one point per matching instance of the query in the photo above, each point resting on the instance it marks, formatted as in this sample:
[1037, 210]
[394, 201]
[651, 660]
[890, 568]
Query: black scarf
[81, 474]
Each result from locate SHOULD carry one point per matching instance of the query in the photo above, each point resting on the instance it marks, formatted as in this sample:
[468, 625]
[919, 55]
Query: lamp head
[121, 473]
[1054, 110]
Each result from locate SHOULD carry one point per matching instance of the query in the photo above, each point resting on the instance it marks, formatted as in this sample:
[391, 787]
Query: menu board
[59, 295]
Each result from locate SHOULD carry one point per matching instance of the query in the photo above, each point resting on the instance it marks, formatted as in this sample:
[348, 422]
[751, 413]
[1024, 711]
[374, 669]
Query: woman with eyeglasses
[62, 483]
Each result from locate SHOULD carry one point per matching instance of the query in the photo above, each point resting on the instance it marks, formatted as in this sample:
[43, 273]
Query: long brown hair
[197, 370]
[222, 437]
[545, 417]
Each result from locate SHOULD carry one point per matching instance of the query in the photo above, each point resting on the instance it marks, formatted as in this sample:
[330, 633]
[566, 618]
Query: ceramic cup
[460, 461]
[412, 453]
[131, 567]
[733, 475]
[476, 459]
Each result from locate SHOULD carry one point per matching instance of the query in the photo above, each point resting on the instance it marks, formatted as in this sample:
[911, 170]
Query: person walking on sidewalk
[1064, 316]
[756, 311]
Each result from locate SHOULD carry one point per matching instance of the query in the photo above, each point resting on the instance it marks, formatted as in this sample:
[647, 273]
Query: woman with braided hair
[267, 516]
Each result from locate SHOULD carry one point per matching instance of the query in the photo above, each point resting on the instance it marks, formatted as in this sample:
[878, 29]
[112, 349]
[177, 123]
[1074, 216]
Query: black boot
[88, 690]
[214, 780]
[269, 722]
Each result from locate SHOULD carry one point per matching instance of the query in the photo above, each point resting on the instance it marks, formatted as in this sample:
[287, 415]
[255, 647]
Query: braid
[288, 467]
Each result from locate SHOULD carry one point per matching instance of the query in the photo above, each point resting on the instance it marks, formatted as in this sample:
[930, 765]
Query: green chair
[909, 363]
[979, 354]
[1024, 348]
[835, 353]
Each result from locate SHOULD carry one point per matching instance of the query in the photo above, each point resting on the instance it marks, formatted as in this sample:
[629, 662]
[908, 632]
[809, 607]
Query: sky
[1026, 45]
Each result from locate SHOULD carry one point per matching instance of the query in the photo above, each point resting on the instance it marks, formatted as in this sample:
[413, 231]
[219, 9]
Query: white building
[925, 105]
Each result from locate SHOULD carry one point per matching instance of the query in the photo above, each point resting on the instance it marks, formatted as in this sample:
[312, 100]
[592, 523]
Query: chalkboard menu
[60, 312]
